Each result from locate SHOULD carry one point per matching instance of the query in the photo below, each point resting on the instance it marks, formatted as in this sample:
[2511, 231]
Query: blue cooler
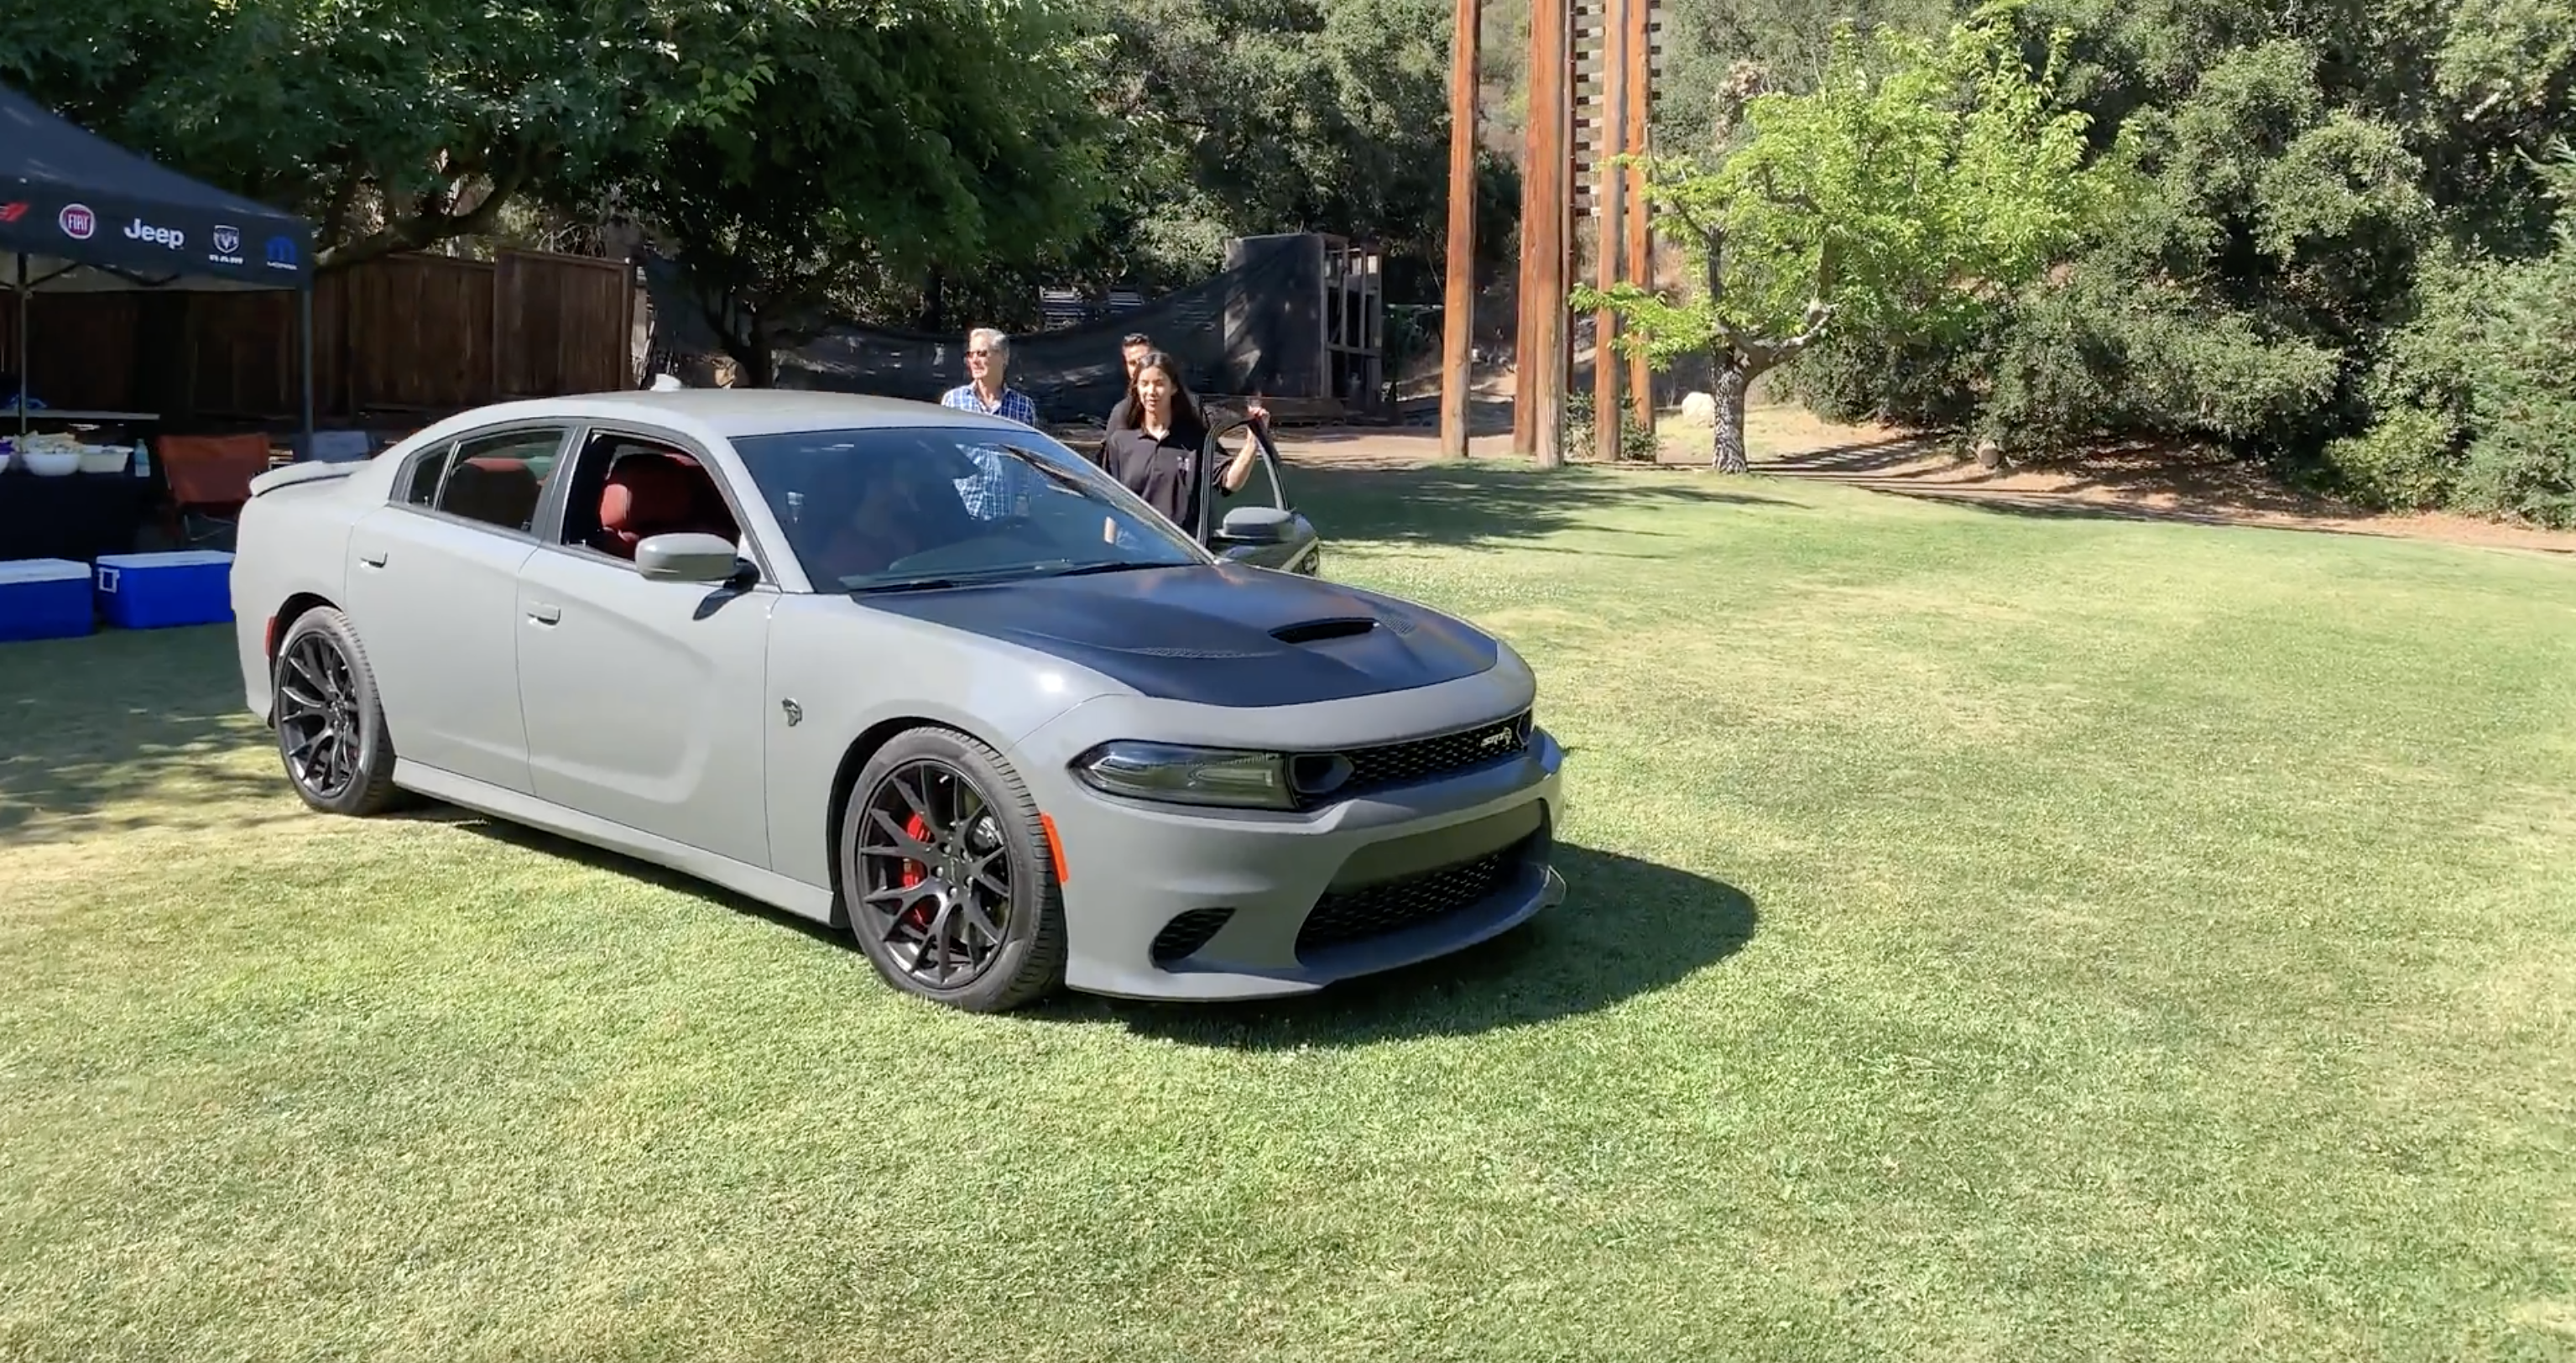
[153, 591]
[45, 598]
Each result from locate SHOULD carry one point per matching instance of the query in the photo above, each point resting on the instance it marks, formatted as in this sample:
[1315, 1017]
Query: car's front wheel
[330, 727]
[946, 878]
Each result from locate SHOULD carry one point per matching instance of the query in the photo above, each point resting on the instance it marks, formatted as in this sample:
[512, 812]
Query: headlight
[1198, 776]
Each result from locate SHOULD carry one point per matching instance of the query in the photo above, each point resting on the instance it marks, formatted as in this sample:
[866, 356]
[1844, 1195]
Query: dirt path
[1788, 442]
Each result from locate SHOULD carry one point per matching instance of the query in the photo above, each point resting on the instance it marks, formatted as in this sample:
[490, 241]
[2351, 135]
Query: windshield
[883, 509]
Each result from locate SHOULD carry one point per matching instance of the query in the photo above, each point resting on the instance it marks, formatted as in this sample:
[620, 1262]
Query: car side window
[425, 472]
[497, 480]
[626, 489]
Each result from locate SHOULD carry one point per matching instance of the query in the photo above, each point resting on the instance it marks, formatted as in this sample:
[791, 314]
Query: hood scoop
[1316, 631]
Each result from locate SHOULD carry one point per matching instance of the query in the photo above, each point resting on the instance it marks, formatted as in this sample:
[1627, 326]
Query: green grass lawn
[1991, 937]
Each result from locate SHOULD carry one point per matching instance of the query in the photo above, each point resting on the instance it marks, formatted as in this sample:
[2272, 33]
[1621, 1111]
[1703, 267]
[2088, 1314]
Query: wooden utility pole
[1538, 420]
[1638, 57]
[1458, 313]
[1610, 234]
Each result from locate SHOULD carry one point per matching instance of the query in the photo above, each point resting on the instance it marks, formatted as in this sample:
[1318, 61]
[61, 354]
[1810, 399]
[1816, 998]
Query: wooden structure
[1591, 72]
[410, 337]
[1458, 298]
[1354, 312]
[1616, 59]
[1547, 169]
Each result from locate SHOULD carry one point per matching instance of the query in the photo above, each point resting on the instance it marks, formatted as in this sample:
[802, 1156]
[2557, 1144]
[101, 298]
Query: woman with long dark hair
[1153, 448]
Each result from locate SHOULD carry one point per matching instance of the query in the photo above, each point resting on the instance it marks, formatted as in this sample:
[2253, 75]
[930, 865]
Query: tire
[330, 726]
[942, 793]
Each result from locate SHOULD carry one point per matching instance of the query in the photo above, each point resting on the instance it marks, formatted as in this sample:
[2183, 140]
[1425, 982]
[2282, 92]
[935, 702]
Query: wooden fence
[408, 337]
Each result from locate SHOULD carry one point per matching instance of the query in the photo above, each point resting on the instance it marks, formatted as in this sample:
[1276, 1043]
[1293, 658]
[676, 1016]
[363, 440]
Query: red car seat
[655, 494]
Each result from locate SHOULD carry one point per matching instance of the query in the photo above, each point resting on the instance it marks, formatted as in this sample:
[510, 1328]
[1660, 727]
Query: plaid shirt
[1002, 489]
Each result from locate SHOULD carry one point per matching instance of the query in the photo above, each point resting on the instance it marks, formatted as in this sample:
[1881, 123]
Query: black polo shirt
[1164, 472]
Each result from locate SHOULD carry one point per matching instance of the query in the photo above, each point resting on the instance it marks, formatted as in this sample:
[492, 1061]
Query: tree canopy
[392, 125]
[2336, 208]
[879, 140]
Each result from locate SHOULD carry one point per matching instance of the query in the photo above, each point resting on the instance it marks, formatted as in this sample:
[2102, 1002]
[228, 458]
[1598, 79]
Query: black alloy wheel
[330, 727]
[946, 878]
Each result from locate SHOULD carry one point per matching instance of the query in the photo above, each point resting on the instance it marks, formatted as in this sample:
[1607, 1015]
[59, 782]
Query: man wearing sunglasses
[1000, 490]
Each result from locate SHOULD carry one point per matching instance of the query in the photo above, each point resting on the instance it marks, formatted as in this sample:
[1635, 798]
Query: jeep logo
[139, 230]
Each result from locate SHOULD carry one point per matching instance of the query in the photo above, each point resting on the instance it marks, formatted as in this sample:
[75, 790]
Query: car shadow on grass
[529, 838]
[1627, 928]
[1467, 506]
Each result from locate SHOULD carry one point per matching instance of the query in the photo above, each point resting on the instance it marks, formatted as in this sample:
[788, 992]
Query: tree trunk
[1727, 386]
[759, 364]
[755, 363]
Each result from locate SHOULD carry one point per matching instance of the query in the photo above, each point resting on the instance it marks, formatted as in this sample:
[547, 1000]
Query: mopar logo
[171, 237]
[281, 253]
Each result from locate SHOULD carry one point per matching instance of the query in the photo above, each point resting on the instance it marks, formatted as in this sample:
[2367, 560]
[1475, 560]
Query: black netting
[1255, 328]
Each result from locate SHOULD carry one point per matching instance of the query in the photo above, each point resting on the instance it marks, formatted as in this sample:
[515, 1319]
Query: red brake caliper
[916, 828]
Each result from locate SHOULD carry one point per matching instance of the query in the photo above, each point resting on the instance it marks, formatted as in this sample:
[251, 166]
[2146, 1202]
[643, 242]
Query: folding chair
[209, 480]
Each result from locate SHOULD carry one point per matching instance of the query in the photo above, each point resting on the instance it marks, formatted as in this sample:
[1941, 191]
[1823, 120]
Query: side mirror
[685, 558]
[1255, 525]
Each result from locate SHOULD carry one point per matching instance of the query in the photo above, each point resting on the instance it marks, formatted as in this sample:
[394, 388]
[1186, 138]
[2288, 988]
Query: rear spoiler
[306, 471]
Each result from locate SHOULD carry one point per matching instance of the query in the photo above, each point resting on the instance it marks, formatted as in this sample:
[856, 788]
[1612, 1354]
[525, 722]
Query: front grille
[1422, 759]
[1186, 933]
[1392, 905]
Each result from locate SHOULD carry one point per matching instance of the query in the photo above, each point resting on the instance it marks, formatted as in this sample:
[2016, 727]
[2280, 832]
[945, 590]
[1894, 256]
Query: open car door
[1256, 524]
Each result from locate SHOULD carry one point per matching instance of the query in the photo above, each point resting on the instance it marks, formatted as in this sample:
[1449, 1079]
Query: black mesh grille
[1186, 933]
[1351, 915]
[1422, 759]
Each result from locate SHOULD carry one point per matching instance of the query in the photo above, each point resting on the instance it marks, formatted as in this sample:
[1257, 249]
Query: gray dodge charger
[926, 674]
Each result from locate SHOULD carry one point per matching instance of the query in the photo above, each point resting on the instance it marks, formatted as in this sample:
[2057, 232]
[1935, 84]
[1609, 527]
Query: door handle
[375, 559]
[546, 615]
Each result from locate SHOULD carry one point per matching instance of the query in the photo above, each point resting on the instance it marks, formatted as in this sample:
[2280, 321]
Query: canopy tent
[79, 213]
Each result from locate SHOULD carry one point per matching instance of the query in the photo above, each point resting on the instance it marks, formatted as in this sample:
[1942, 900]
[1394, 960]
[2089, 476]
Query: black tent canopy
[79, 214]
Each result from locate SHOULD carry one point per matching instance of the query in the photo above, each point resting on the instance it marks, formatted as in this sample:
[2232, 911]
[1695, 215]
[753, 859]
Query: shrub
[2407, 462]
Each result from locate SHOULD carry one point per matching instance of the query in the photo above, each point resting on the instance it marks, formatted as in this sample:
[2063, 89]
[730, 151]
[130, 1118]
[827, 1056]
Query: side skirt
[756, 882]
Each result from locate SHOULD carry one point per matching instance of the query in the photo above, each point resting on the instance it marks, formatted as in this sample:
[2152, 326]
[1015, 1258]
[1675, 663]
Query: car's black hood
[1222, 635]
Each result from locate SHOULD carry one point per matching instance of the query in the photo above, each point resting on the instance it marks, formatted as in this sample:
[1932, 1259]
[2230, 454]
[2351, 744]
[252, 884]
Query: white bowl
[49, 462]
[105, 458]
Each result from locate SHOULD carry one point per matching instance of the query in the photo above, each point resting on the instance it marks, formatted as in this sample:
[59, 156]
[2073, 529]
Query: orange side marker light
[1055, 847]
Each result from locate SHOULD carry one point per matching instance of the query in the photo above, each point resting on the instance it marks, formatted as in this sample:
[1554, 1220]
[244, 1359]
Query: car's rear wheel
[330, 727]
[946, 877]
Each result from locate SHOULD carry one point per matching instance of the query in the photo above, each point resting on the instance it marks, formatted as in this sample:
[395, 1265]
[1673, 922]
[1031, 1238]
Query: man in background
[988, 367]
[999, 492]
[1133, 348]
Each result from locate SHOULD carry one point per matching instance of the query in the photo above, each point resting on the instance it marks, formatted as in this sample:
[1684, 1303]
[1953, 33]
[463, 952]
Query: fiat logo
[77, 221]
